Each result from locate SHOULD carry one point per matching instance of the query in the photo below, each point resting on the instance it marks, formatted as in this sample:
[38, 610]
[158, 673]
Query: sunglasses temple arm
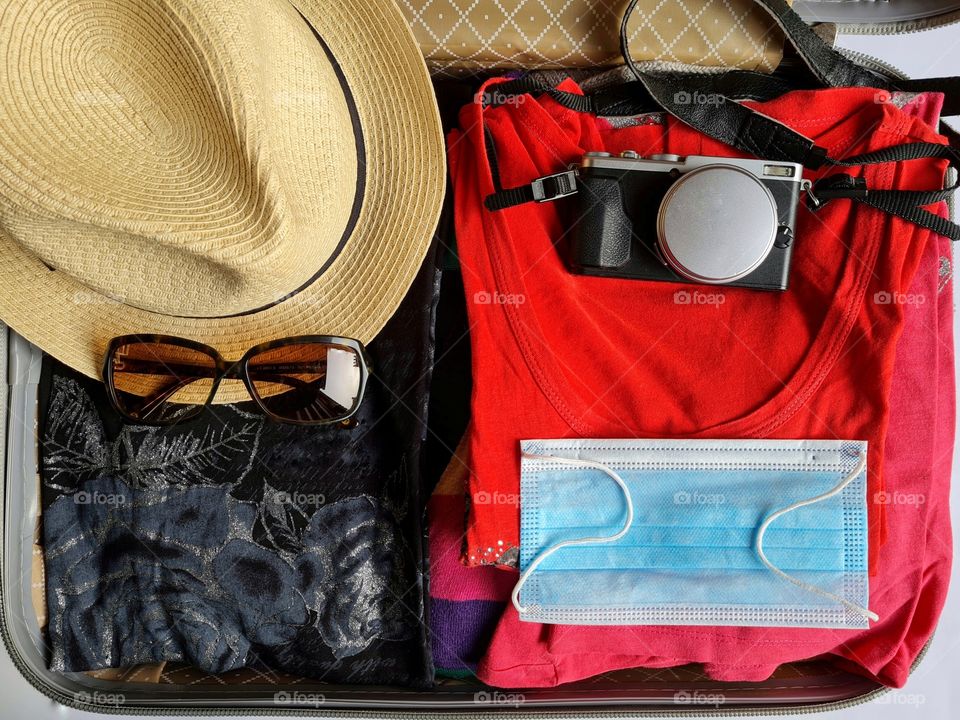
[153, 401]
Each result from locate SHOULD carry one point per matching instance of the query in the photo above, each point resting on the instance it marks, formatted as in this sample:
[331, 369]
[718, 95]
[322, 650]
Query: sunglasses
[306, 380]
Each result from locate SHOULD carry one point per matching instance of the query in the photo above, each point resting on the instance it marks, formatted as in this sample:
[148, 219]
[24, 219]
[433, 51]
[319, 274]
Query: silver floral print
[150, 559]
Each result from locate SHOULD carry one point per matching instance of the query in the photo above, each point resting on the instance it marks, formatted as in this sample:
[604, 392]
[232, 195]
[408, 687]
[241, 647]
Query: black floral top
[232, 541]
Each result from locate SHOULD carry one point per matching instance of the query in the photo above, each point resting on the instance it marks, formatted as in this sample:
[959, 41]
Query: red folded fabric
[908, 591]
[610, 358]
[618, 358]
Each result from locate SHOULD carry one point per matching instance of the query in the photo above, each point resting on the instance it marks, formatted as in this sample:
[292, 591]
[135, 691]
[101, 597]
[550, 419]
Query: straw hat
[229, 171]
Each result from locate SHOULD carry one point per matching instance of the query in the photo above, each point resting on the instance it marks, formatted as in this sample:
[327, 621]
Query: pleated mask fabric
[694, 532]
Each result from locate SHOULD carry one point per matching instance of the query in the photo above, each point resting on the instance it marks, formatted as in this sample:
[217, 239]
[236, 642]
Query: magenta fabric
[465, 603]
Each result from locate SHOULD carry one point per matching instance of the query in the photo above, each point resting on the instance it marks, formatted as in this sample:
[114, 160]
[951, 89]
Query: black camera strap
[753, 132]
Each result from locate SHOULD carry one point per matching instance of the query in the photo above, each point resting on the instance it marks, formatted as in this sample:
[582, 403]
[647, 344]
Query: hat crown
[188, 158]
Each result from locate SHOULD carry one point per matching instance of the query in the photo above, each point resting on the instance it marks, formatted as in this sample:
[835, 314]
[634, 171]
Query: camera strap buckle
[554, 187]
[833, 187]
[543, 189]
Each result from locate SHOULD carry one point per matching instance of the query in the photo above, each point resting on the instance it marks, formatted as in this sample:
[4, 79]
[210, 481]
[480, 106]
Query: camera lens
[716, 224]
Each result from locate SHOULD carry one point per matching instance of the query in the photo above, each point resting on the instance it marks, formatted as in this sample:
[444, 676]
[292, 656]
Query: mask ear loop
[849, 478]
[628, 521]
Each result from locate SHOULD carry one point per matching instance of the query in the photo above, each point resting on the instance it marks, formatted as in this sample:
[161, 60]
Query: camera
[698, 219]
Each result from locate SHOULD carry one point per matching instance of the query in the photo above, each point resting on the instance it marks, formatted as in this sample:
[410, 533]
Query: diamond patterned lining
[465, 36]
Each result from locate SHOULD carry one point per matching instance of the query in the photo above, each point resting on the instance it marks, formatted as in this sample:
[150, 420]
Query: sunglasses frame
[235, 370]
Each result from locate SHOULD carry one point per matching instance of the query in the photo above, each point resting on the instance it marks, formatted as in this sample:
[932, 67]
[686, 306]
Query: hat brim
[360, 289]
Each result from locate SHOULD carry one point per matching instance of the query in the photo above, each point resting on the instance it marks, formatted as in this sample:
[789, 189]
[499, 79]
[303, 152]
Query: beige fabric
[187, 167]
[464, 36]
[137, 674]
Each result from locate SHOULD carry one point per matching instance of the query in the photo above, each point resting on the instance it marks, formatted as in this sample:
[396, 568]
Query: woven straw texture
[188, 166]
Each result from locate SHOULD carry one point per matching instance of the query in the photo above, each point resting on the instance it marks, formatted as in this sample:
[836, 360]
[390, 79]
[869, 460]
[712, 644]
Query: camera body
[699, 219]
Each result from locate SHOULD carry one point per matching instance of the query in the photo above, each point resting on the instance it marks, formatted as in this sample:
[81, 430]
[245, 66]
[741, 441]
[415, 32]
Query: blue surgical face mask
[694, 532]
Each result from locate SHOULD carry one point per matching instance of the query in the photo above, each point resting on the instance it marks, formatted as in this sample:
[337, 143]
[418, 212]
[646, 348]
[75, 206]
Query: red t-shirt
[907, 592]
[559, 355]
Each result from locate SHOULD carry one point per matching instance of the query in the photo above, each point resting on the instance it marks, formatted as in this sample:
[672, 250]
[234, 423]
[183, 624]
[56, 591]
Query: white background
[933, 692]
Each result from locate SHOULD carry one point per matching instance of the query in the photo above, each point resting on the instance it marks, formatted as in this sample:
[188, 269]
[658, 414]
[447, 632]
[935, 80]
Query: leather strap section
[750, 131]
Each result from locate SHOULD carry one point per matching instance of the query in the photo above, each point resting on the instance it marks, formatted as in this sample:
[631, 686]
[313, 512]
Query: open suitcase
[801, 687]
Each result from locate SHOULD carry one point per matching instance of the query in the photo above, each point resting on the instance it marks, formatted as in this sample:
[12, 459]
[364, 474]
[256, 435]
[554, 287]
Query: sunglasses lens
[158, 382]
[307, 382]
